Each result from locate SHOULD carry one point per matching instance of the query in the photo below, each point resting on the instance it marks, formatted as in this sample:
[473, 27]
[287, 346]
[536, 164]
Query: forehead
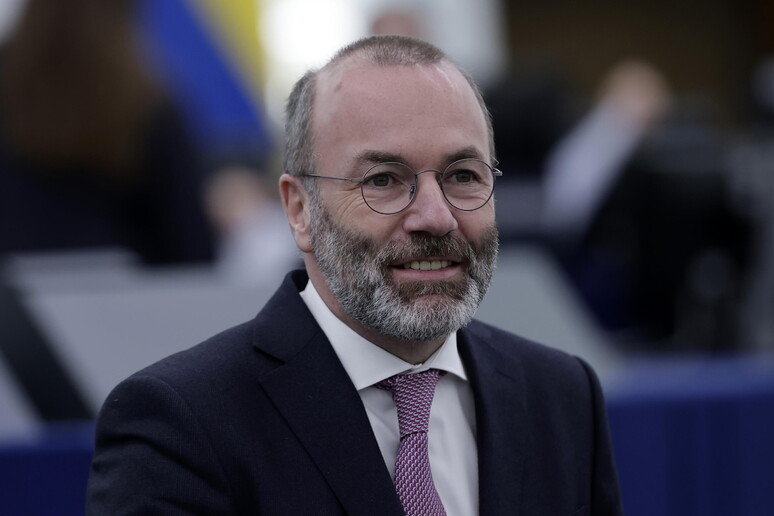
[402, 109]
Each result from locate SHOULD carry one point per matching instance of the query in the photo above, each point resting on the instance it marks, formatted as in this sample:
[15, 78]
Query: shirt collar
[367, 364]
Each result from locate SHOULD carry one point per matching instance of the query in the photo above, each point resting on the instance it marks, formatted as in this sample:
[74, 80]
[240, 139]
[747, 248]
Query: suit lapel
[315, 396]
[501, 421]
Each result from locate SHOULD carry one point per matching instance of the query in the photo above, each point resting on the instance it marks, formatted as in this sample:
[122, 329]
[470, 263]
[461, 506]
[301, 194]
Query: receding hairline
[391, 51]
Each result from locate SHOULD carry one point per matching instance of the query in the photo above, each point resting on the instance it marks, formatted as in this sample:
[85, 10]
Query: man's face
[420, 274]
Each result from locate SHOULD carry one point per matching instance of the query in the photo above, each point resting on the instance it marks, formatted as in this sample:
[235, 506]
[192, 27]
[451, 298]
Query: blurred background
[139, 154]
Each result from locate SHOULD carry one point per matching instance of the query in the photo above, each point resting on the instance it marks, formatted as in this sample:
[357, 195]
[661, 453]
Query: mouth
[426, 265]
[428, 277]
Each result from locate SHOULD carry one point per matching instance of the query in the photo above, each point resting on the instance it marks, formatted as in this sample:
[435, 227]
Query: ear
[295, 203]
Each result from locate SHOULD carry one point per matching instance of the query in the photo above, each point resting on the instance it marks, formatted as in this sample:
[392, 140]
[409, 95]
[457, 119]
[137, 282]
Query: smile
[427, 265]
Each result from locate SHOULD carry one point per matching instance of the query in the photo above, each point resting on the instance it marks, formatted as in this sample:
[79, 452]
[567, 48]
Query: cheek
[345, 205]
[474, 224]
[351, 212]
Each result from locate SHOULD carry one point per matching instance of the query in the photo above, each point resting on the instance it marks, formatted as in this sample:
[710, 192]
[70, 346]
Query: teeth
[426, 265]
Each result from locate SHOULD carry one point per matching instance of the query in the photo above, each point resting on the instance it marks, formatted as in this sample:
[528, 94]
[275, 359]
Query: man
[306, 409]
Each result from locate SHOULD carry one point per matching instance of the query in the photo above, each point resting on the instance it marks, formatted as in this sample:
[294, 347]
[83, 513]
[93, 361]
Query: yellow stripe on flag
[235, 25]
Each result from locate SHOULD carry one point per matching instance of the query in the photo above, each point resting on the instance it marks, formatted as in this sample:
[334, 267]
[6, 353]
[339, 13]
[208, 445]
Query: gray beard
[357, 272]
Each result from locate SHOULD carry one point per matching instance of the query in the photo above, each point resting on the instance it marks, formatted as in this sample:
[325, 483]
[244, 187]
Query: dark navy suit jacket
[263, 420]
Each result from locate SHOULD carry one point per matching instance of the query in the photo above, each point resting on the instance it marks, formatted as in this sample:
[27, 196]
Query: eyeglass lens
[389, 187]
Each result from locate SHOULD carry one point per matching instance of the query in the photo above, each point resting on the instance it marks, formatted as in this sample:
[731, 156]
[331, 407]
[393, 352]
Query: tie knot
[413, 395]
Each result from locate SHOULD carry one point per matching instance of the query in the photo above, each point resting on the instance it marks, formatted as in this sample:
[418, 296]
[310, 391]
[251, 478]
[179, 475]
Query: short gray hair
[378, 50]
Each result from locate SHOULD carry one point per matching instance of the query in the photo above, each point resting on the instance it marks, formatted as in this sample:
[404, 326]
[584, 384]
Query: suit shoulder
[217, 357]
[538, 359]
[513, 344]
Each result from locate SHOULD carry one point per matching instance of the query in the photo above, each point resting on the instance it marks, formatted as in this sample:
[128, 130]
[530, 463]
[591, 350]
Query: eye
[388, 176]
[380, 180]
[463, 176]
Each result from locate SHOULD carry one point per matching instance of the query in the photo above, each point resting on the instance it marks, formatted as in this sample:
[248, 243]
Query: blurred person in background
[253, 243]
[648, 234]
[630, 197]
[398, 21]
[92, 152]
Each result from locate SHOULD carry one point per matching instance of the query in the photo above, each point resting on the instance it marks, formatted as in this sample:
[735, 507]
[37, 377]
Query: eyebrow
[373, 157]
[465, 153]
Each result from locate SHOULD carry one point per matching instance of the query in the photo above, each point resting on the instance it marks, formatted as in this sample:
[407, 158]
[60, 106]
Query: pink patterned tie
[413, 395]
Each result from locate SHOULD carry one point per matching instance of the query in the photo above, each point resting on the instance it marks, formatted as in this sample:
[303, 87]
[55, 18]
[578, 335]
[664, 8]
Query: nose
[429, 212]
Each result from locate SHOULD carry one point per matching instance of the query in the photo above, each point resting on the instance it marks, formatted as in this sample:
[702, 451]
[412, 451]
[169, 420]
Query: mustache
[416, 246]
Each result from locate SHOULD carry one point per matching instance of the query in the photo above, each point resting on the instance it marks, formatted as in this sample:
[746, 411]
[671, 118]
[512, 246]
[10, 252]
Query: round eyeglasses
[389, 188]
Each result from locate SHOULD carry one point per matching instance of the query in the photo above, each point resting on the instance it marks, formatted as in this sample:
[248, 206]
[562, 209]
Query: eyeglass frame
[415, 186]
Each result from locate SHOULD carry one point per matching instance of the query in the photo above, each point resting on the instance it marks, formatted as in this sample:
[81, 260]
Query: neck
[411, 352]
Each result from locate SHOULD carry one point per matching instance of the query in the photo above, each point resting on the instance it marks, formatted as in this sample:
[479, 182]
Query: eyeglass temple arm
[350, 179]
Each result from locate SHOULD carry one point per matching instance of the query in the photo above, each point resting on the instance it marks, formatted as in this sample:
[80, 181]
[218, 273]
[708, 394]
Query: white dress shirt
[452, 430]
